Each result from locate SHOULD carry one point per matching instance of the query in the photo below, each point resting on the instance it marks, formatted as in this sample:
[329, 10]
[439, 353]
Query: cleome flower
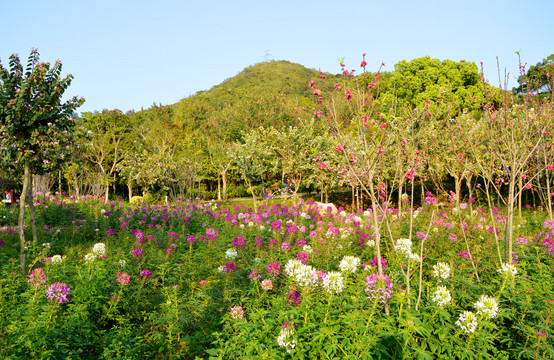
[487, 306]
[441, 270]
[509, 269]
[404, 247]
[349, 264]
[99, 249]
[441, 297]
[333, 282]
[467, 322]
[285, 338]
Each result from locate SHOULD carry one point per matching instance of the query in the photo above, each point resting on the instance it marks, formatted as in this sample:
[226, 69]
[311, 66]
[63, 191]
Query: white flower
[241, 226]
[220, 269]
[441, 270]
[467, 322]
[306, 275]
[333, 282]
[370, 243]
[122, 263]
[284, 340]
[90, 257]
[57, 259]
[488, 306]
[262, 228]
[250, 224]
[442, 296]
[291, 266]
[342, 213]
[404, 246]
[415, 257]
[307, 249]
[99, 249]
[366, 213]
[349, 264]
[508, 269]
[257, 260]
[358, 219]
[231, 253]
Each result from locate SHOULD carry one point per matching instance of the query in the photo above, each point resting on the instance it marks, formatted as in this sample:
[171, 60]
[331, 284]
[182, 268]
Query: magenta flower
[383, 262]
[145, 274]
[239, 241]
[254, 275]
[464, 254]
[110, 232]
[293, 296]
[58, 291]
[259, 242]
[347, 93]
[191, 239]
[169, 251]
[285, 246]
[274, 268]
[137, 252]
[229, 267]
[453, 237]
[211, 234]
[302, 257]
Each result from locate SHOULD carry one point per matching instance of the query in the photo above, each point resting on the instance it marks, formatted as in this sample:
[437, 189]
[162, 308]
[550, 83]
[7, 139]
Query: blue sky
[130, 54]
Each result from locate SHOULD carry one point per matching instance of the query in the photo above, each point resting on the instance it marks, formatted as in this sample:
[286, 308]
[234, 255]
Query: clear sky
[130, 54]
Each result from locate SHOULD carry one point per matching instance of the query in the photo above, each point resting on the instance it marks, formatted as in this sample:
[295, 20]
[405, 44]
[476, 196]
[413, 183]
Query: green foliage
[35, 123]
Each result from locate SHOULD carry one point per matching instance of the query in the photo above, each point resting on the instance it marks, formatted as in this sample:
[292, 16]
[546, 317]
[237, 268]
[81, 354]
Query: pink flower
[339, 147]
[411, 174]
[274, 268]
[123, 278]
[317, 92]
[322, 165]
[145, 274]
[550, 167]
[493, 116]
[311, 84]
[347, 94]
[58, 291]
[363, 64]
[37, 277]
[337, 86]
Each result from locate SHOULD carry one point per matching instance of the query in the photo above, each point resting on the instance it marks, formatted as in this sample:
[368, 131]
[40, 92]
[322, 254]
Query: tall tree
[36, 126]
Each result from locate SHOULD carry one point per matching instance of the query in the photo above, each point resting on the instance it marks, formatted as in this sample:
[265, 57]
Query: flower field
[205, 280]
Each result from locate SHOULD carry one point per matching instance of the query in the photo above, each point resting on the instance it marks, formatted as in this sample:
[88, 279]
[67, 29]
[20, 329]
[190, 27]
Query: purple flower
[300, 243]
[453, 237]
[58, 291]
[211, 234]
[169, 250]
[191, 239]
[285, 246]
[293, 296]
[302, 257]
[383, 262]
[259, 242]
[274, 268]
[421, 235]
[137, 252]
[145, 274]
[276, 225]
[229, 267]
[239, 242]
[272, 242]
[378, 287]
[110, 232]
[464, 254]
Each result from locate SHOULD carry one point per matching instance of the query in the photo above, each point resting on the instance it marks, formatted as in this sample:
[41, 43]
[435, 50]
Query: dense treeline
[271, 124]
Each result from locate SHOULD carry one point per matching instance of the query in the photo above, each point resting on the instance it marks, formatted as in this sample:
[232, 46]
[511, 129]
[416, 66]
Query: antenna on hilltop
[267, 55]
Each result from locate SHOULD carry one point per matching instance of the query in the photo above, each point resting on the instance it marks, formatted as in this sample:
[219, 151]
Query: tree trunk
[130, 188]
[353, 199]
[32, 209]
[224, 185]
[253, 195]
[509, 224]
[218, 189]
[520, 195]
[21, 220]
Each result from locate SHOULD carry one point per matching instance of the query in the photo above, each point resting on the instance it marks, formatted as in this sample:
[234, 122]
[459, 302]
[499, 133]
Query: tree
[538, 78]
[109, 146]
[36, 127]
[442, 82]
